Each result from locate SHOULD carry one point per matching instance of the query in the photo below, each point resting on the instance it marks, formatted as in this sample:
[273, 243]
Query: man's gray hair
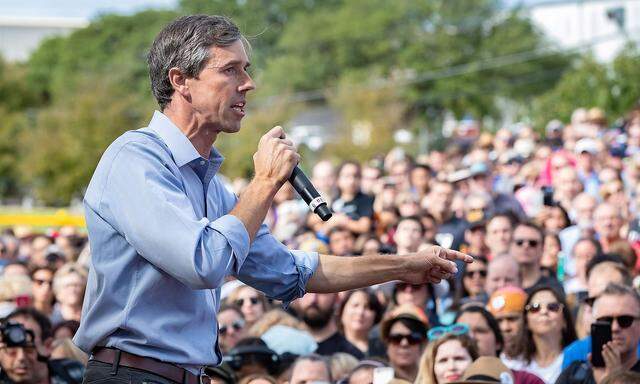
[614, 289]
[185, 44]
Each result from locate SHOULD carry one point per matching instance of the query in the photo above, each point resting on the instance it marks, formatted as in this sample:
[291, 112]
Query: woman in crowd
[404, 334]
[69, 284]
[548, 330]
[359, 311]
[448, 354]
[251, 302]
[471, 288]
[483, 328]
[231, 327]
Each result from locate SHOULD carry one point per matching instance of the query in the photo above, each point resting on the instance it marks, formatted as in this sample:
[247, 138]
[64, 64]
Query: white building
[603, 26]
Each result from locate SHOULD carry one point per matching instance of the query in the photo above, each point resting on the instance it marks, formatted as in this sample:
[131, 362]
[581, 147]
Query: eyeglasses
[412, 287]
[411, 338]
[237, 325]
[531, 242]
[457, 329]
[42, 282]
[537, 307]
[252, 300]
[482, 273]
[624, 321]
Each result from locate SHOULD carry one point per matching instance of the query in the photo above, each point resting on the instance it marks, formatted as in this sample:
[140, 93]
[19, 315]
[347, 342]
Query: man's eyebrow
[233, 62]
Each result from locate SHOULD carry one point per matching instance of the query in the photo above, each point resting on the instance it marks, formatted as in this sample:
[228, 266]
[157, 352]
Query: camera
[16, 335]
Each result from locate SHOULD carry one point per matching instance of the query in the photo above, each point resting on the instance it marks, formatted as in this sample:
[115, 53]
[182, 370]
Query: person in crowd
[65, 330]
[251, 302]
[353, 209]
[601, 272]
[311, 369]
[409, 234]
[341, 366]
[507, 307]
[342, 241]
[566, 186]
[526, 248]
[69, 283]
[607, 222]
[483, 328]
[447, 357]
[231, 326]
[28, 359]
[359, 311]
[317, 310]
[584, 250]
[619, 306]
[362, 373]
[450, 233]
[404, 331]
[548, 329]
[581, 213]
[475, 239]
[502, 271]
[43, 298]
[258, 379]
[420, 179]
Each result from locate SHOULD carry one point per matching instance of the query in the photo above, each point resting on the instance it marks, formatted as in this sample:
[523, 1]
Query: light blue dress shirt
[162, 242]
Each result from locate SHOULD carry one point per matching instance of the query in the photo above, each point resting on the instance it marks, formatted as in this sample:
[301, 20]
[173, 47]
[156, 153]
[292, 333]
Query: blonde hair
[65, 349]
[67, 270]
[14, 286]
[426, 374]
[271, 318]
[341, 365]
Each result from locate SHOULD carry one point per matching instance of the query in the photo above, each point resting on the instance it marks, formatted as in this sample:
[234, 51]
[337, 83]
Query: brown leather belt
[166, 370]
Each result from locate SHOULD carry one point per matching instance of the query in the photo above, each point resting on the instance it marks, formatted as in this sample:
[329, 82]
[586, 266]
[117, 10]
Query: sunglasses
[624, 321]
[253, 300]
[537, 307]
[482, 273]
[404, 286]
[237, 325]
[457, 329]
[411, 338]
[532, 243]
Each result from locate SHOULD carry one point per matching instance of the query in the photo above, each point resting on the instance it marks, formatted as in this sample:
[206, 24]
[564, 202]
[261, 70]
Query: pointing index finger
[455, 255]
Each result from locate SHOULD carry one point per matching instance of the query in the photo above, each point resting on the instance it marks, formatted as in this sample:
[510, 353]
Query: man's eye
[230, 70]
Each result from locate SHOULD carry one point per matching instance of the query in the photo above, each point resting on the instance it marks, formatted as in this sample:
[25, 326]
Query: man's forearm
[253, 205]
[340, 273]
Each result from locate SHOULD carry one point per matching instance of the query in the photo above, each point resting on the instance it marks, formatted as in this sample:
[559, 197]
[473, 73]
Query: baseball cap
[586, 145]
[507, 300]
[404, 311]
[487, 370]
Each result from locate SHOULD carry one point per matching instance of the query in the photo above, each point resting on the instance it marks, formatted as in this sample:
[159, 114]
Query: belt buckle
[204, 375]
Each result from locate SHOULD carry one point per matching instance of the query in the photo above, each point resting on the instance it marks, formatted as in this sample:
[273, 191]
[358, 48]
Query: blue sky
[77, 8]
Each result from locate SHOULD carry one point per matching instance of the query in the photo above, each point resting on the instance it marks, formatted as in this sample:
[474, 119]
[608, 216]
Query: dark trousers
[99, 372]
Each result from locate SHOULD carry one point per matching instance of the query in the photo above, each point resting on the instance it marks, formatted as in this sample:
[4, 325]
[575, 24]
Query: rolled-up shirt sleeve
[150, 208]
[274, 269]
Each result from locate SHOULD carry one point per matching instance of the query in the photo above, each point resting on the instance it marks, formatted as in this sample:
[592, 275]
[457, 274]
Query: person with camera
[619, 306]
[25, 352]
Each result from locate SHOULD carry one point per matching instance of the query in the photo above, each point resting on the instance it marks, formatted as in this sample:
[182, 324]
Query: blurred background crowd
[551, 219]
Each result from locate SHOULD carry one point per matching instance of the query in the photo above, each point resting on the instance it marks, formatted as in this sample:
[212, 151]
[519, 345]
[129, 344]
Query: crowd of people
[552, 220]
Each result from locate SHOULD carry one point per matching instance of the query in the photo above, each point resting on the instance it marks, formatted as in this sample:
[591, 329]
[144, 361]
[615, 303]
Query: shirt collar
[181, 148]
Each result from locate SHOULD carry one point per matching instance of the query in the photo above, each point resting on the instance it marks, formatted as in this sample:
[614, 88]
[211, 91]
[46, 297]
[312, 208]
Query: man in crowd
[317, 311]
[499, 233]
[502, 271]
[607, 222]
[619, 306]
[408, 235]
[438, 204]
[25, 352]
[507, 306]
[526, 248]
[310, 369]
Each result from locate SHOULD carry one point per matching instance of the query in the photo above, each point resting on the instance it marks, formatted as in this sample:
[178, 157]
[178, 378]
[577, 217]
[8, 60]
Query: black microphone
[309, 194]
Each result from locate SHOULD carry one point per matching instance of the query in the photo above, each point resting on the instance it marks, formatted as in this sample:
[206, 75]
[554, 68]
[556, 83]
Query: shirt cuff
[236, 234]
[306, 264]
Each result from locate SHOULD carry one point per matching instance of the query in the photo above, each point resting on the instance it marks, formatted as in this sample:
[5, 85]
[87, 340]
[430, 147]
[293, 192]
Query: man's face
[583, 252]
[42, 281]
[218, 93]
[420, 178]
[610, 306]
[341, 243]
[584, 207]
[481, 332]
[499, 233]
[526, 246]
[408, 235]
[21, 363]
[440, 198]
[502, 273]
[317, 309]
[567, 184]
[324, 176]
[403, 353]
[607, 222]
[307, 371]
[511, 324]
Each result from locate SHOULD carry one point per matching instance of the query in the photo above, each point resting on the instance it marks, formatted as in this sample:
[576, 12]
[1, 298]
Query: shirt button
[202, 162]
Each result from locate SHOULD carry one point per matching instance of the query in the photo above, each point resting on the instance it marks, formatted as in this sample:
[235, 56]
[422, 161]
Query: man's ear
[179, 82]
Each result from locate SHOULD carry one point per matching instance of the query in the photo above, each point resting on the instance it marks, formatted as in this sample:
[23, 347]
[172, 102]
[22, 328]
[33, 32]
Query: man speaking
[165, 232]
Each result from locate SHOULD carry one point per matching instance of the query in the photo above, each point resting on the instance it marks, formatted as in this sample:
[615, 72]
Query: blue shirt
[162, 242]
[579, 350]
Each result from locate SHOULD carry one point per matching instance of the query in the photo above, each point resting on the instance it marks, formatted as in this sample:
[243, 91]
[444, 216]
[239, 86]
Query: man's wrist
[266, 185]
